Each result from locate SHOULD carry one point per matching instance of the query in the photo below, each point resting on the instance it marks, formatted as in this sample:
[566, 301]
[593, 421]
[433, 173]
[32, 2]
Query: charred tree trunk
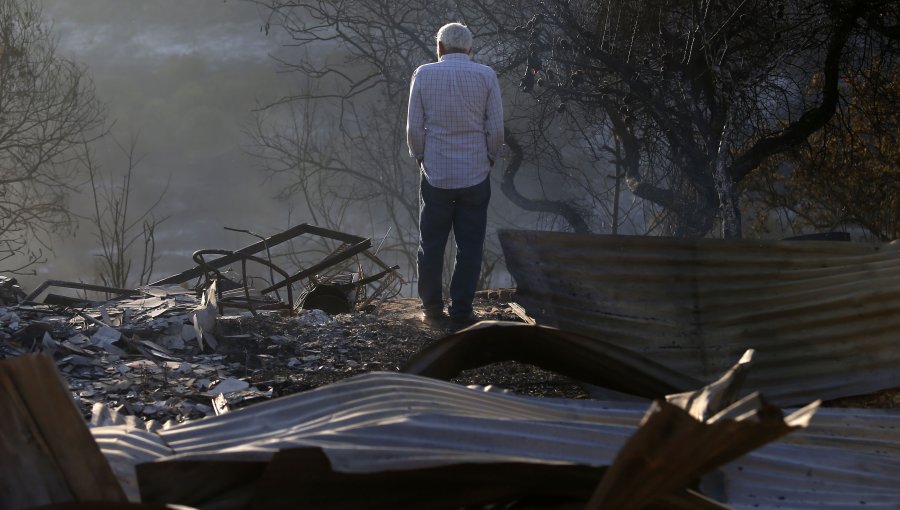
[568, 212]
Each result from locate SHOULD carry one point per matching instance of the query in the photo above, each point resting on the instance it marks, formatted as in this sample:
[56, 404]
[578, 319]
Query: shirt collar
[455, 56]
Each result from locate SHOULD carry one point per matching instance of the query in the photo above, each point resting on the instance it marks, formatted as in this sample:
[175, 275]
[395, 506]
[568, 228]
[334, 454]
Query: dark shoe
[434, 317]
[458, 323]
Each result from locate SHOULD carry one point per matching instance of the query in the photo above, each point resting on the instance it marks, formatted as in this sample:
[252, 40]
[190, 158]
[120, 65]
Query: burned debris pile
[178, 384]
[161, 352]
[395, 440]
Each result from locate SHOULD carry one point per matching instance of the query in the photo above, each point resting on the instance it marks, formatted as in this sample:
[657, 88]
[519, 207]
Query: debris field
[222, 395]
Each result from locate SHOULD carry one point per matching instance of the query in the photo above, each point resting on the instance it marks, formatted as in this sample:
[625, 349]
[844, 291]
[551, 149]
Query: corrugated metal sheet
[847, 458]
[582, 358]
[869, 431]
[396, 421]
[381, 421]
[787, 476]
[125, 447]
[824, 317]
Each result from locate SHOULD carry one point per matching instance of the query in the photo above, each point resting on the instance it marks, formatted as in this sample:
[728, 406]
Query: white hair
[456, 37]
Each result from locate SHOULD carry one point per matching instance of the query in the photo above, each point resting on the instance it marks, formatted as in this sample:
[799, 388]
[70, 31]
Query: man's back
[455, 120]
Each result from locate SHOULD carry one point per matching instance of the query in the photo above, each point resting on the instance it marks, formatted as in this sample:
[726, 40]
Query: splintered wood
[49, 455]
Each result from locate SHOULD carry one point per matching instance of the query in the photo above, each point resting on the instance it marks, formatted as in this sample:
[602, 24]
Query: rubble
[590, 361]
[179, 385]
[141, 355]
[160, 351]
[10, 291]
[64, 300]
[390, 440]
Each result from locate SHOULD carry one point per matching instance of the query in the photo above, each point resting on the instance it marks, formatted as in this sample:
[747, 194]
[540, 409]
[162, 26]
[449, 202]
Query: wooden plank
[28, 475]
[43, 430]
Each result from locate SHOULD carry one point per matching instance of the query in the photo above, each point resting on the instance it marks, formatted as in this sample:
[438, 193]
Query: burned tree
[697, 94]
[338, 143]
[358, 58]
[845, 177]
[339, 164]
[47, 110]
[122, 233]
[680, 100]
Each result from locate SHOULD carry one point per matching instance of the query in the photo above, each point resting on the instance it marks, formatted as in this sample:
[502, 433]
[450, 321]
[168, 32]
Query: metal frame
[351, 246]
[78, 286]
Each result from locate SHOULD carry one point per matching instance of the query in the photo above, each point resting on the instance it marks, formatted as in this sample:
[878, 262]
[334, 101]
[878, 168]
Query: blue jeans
[464, 211]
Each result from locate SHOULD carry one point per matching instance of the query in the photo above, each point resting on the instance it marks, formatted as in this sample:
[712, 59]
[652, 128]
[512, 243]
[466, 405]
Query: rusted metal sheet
[688, 435]
[846, 458]
[399, 438]
[398, 421]
[671, 449]
[868, 431]
[824, 317]
[582, 358]
[791, 476]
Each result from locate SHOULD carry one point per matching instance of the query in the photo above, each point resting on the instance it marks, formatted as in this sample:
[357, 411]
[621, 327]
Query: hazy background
[184, 76]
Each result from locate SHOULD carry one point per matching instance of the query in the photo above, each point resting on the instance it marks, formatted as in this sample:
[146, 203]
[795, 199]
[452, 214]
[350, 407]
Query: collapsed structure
[651, 320]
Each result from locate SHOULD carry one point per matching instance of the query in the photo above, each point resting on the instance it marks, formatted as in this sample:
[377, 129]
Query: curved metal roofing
[387, 421]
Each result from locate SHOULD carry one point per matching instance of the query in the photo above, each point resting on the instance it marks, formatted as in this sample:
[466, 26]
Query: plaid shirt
[455, 121]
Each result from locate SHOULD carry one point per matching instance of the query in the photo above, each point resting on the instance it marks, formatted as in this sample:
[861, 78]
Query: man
[454, 129]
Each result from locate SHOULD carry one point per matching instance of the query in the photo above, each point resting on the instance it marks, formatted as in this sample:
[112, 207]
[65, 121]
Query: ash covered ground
[313, 349]
[157, 371]
[149, 364]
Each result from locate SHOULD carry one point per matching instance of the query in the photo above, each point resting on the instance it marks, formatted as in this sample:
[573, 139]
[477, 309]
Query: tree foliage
[846, 176]
[339, 142]
[121, 233]
[342, 163]
[699, 93]
[679, 99]
[341, 135]
[47, 110]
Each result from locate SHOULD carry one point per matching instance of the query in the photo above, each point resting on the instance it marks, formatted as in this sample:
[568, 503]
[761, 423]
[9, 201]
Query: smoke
[183, 78]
